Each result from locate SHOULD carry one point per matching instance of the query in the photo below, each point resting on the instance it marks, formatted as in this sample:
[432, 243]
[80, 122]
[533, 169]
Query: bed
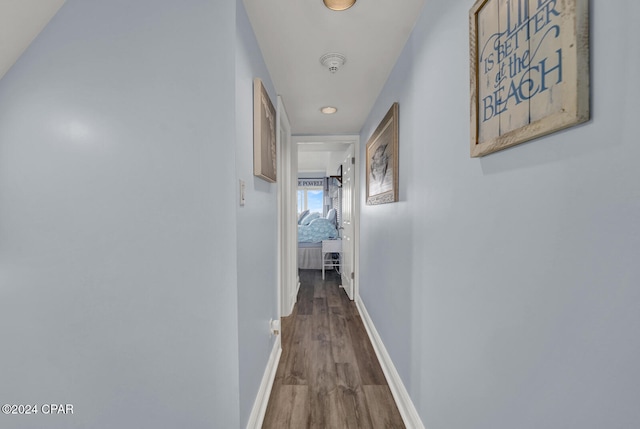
[312, 229]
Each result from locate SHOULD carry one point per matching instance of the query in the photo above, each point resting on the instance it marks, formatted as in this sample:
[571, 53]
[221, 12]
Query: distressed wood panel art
[529, 70]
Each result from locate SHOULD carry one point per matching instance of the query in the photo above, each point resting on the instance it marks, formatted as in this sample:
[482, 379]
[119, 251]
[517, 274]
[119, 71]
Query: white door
[348, 223]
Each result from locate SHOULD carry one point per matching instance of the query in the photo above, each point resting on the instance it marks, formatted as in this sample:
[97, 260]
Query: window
[311, 199]
[311, 195]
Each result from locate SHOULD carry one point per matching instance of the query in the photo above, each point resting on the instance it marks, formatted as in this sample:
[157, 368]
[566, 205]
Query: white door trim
[356, 219]
[287, 232]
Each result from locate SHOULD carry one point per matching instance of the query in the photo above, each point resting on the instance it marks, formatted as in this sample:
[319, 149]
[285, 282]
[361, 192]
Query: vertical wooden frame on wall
[383, 160]
[264, 134]
[529, 70]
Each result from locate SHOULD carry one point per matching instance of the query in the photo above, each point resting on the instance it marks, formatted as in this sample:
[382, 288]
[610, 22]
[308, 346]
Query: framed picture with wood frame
[529, 70]
[264, 134]
[383, 160]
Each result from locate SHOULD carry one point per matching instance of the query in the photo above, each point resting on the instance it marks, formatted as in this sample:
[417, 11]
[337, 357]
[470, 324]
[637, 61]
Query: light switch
[242, 188]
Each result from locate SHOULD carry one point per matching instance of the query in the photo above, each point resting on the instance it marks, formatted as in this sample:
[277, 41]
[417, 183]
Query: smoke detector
[333, 61]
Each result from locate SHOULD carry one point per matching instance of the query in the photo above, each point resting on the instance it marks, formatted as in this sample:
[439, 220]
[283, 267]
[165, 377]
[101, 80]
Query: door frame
[287, 279]
[289, 205]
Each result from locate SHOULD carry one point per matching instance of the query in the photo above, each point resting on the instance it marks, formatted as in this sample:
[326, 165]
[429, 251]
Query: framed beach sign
[382, 160]
[529, 70]
[264, 134]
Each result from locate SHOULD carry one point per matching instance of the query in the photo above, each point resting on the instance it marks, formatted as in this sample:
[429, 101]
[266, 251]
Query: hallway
[328, 375]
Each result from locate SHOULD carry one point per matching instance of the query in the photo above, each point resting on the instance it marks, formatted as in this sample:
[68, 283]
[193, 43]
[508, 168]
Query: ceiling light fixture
[339, 4]
[328, 110]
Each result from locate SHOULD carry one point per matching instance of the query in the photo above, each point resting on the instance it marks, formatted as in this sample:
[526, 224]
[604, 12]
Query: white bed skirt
[310, 258]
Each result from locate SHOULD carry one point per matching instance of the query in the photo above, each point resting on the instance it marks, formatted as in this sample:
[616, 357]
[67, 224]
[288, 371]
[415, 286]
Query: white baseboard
[260, 405]
[400, 395]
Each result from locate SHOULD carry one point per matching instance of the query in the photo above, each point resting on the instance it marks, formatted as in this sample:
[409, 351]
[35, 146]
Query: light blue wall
[117, 265]
[257, 225]
[509, 288]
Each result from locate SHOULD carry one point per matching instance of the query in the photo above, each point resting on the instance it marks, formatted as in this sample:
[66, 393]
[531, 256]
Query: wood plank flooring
[328, 375]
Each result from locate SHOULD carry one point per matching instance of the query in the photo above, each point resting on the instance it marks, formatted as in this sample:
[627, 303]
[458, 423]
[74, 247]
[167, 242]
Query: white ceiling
[294, 34]
[321, 154]
[20, 22]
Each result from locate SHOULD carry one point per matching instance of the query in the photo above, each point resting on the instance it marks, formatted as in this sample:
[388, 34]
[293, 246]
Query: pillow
[319, 229]
[332, 216]
[308, 218]
[302, 215]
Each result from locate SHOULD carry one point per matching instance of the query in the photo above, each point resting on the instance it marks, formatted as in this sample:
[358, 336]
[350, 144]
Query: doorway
[331, 156]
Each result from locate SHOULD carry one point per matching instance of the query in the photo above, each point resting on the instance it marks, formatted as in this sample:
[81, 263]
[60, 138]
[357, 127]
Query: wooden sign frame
[264, 134]
[383, 160]
[529, 70]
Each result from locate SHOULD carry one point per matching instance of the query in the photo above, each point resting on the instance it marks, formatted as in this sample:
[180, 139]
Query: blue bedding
[318, 230]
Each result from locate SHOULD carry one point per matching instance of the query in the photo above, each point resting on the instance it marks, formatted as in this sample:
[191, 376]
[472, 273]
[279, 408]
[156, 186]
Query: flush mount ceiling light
[339, 4]
[328, 110]
[333, 61]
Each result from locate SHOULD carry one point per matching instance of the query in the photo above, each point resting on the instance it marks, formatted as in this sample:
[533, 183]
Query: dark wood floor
[328, 375]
